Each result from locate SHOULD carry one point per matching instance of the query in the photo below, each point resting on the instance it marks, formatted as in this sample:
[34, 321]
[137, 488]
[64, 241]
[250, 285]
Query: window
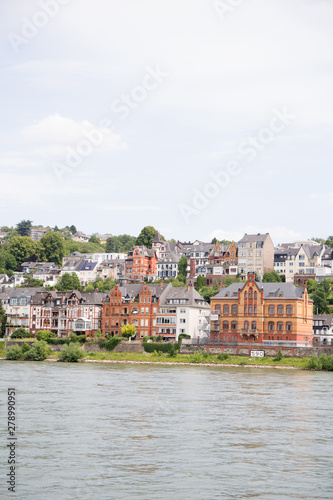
[289, 326]
[246, 325]
[271, 326]
[255, 295]
[246, 295]
[250, 294]
[225, 325]
[250, 309]
[254, 325]
[289, 309]
[280, 309]
[255, 309]
[280, 326]
[226, 309]
[234, 325]
[234, 309]
[182, 320]
[245, 309]
[217, 309]
[271, 309]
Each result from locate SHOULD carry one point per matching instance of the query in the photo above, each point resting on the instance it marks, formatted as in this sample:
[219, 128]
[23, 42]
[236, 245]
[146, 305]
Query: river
[105, 431]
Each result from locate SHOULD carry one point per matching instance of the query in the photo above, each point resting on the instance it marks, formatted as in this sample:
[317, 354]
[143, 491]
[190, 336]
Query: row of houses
[248, 312]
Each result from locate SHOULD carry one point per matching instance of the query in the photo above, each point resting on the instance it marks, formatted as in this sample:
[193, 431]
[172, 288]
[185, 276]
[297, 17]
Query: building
[80, 237]
[262, 313]
[322, 329]
[167, 267]
[140, 264]
[17, 304]
[103, 238]
[36, 233]
[133, 304]
[255, 254]
[223, 261]
[183, 310]
[65, 312]
[298, 260]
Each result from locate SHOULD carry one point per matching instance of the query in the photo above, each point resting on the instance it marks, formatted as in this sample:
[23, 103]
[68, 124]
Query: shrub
[323, 360]
[314, 363]
[173, 351]
[38, 352]
[330, 362]
[14, 352]
[197, 357]
[223, 356]
[242, 363]
[110, 344]
[45, 335]
[72, 353]
[20, 333]
[58, 340]
[151, 347]
[25, 348]
[279, 356]
[72, 336]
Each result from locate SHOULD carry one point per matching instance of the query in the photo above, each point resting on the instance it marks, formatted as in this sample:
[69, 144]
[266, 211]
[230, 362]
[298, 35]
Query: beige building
[255, 254]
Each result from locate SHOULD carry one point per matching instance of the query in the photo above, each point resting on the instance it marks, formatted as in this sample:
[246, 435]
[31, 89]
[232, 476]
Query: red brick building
[141, 263]
[133, 304]
[262, 312]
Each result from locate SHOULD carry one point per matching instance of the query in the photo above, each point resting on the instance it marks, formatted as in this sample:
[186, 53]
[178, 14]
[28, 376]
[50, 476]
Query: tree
[22, 247]
[256, 277]
[320, 297]
[201, 281]
[214, 240]
[271, 277]
[146, 236]
[3, 320]
[229, 280]
[94, 239]
[112, 246]
[52, 247]
[182, 266]
[55, 229]
[29, 281]
[128, 331]
[69, 282]
[72, 353]
[207, 292]
[311, 285]
[23, 227]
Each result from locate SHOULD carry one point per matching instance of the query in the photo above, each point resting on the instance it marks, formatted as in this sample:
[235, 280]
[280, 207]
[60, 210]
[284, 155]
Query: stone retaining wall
[245, 350]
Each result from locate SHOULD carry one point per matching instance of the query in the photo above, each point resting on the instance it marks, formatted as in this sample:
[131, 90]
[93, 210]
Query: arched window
[226, 309]
[246, 325]
[246, 295]
[271, 326]
[280, 326]
[225, 325]
[255, 295]
[271, 309]
[250, 293]
[218, 309]
[289, 326]
[254, 325]
[289, 309]
[280, 309]
[234, 325]
[255, 309]
[250, 309]
[107, 311]
[113, 311]
[234, 309]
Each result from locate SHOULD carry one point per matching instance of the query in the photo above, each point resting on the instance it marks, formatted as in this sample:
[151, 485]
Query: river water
[106, 431]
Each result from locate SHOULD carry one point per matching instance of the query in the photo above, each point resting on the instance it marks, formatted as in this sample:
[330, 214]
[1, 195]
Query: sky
[201, 118]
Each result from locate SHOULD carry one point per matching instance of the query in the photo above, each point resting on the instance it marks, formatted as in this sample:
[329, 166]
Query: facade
[17, 304]
[299, 260]
[223, 261]
[37, 232]
[262, 313]
[322, 329]
[80, 237]
[255, 254]
[167, 267]
[65, 312]
[141, 263]
[183, 310]
[133, 304]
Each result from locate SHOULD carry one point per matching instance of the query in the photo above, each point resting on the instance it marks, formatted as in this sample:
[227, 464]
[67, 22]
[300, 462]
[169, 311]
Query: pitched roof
[253, 237]
[271, 290]
[192, 297]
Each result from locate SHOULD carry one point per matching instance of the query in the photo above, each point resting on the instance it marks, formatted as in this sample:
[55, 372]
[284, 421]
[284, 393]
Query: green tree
[112, 246]
[271, 277]
[38, 352]
[52, 247]
[69, 282]
[20, 333]
[201, 281]
[182, 266]
[311, 285]
[29, 281]
[3, 320]
[23, 227]
[128, 331]
[146, 236]
[214, 240]
[207, 292]
[320, 297]
[22, 247]
[72, 229]
[94, 239]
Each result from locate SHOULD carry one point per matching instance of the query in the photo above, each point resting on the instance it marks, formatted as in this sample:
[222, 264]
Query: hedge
[58, 340]
[109, 344]
[151, 347]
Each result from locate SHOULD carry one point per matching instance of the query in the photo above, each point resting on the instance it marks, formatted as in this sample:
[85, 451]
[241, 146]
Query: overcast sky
[202, 118]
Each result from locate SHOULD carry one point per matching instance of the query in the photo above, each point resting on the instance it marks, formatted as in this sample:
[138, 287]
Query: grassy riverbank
[300, 363]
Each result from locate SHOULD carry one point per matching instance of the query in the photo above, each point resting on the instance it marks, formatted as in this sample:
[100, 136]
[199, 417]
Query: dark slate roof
[271, 290]
[86, 266]
[253, 237]
[158, 238]
[188, 293]
[327, 318]
[172, 257]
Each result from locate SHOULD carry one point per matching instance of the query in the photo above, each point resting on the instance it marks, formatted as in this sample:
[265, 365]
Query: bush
[151, 347]
[14, 352]
[314, 363]
[20, 333]
[110, 344]
[72, 336]
[323, 360]
[81, 339]
[279, 356]
[38, 352]
[173, 351]
[72, 353]
[58, 340]
[196, 358]
[223, 356]
[25, 348]
[45, 335]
